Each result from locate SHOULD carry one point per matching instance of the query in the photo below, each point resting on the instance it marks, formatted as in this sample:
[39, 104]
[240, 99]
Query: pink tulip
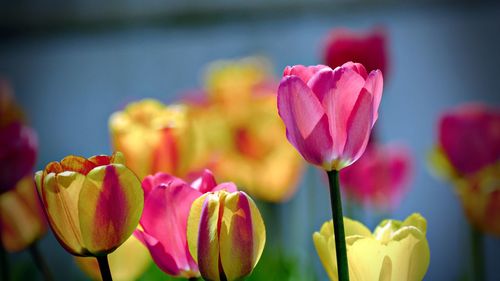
[470, 137]
[18, 149]
[163, 224]
[368, 48]
[329, 113]
[379, 177]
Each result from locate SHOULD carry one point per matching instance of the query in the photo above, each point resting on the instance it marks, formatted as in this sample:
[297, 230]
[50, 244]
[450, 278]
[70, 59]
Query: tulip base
[104, 268]
[338, 226]
[40, 262]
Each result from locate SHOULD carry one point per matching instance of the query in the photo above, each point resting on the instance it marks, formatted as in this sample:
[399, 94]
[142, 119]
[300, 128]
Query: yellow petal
[193, 225]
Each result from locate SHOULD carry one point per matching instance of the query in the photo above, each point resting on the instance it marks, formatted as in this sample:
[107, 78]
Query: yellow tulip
[22, 221]
[239, 127]
[147, 133]
[395, 251]
[127, 263]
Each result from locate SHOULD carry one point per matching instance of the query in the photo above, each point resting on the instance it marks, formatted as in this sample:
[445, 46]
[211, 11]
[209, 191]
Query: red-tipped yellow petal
[59, 195]
[208, 240]
[110, 206]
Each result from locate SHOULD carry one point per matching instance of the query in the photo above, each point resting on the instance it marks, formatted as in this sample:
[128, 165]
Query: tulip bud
[93, 205]
[395, 251]
[226, 235]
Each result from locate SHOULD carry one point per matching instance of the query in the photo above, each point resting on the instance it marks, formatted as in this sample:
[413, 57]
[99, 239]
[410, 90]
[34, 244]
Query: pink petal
[303, 72]
[339, 101]
[305, 120]
[205, 183]
[152, 181]
[359, 127]
[359, 68]
[375, 84]
[165, 214]
[227, 186]
[161, 257]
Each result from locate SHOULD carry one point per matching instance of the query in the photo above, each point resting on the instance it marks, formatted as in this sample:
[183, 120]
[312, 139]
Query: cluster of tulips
[157, 196]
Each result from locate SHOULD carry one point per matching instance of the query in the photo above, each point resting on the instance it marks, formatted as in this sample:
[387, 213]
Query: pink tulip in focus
[163, 224]
[469, 137]
[379, 177]
[368, 48]
[329, 113]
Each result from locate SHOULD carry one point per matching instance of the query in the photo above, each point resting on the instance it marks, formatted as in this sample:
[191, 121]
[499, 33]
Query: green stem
[104, 268]
[338, 226]
[40, 262]
[4, 263]
[477, 254]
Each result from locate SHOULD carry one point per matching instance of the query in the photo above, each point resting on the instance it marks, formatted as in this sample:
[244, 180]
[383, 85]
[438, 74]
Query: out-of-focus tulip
[368, 48]
[93, 205]
[469, 137]
[480, 197]
[22, 221]
[127, 263]
[329, 113]
[226, 235]
[18, 143]
[379, 177]
[147, 132]
[395, 251]
[237, 126]
[163, 223]
[468, 155]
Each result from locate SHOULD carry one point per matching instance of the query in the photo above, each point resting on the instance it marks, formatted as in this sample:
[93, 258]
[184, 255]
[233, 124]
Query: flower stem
[4, 263]
[477, 254]
[40, 262]
[104, 268]
[338, 226]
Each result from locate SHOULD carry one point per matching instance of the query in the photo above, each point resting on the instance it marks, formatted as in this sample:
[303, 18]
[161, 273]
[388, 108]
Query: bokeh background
[73, 63]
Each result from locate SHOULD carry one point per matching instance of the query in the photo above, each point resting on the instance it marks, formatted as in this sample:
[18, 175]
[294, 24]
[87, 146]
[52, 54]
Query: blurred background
[71, 64]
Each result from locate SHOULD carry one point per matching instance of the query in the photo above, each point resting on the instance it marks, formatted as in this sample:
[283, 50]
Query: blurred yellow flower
[147, 133]
[237, 131]
[127, 263]
[22, 221]
[395, 251]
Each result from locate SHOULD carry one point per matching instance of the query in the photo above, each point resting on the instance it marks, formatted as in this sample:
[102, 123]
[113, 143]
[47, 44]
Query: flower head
[93, 205]
[368, 48]
[379, 177]
[329, 113]
[148, 133]
[226, 235]
[396, 250]
[163, 223]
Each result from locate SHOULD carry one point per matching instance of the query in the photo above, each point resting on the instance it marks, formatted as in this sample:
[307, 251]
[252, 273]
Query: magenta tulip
[366, 47]
[379, 178]
[329, 113]
[163, 224]
[469, 136]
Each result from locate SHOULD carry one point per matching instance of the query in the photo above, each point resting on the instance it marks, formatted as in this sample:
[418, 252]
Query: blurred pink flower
[18, 148]
[329, 113]
[368, 48]
[163, 224]
[469, 137]
[379, 178]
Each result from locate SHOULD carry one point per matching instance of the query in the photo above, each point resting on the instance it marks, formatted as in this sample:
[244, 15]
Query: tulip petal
[205, 183]
[59, 195]
[303, 72]
[227, 186]
[236, 237]
[339, 102]
[358, 67]
[208, 237]
[375, 85]
[359, 127]
[305, 120]
[193, 225]
[153, 181]
[77, 164]
[110, 207]
[165, 216]
[164, 260]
